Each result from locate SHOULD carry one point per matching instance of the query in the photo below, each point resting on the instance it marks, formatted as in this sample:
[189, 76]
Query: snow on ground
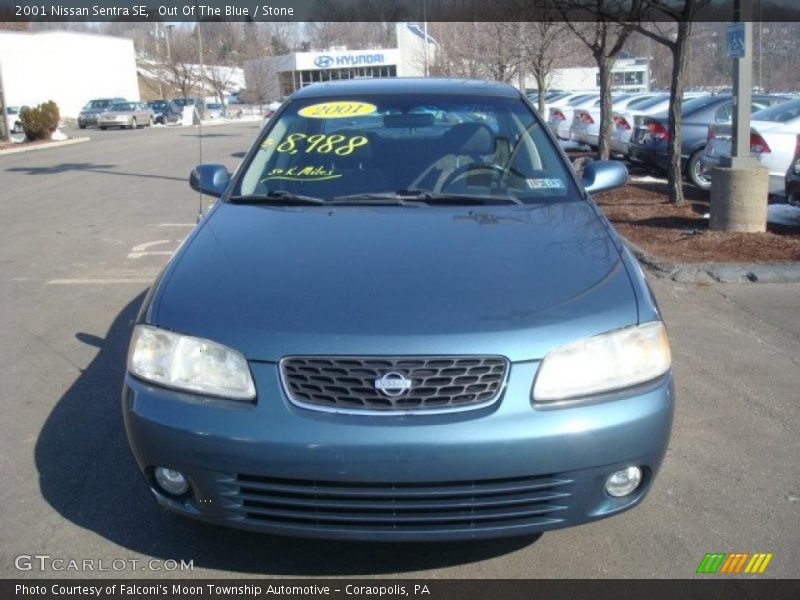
[784, 214]
[648, 179]
[568, 145]
[780, 214]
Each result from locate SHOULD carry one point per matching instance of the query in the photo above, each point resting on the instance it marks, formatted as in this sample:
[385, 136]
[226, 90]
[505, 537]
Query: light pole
[740, 185]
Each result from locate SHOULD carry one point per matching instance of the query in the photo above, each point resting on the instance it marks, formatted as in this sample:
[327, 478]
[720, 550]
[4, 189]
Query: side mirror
[209, 179]
[604, 175]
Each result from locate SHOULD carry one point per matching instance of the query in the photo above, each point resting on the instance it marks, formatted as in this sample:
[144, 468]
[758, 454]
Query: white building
[66, 67]
[279, 76]
[628, 74]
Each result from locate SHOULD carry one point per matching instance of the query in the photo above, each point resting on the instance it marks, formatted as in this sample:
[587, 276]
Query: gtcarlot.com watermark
[46, 562]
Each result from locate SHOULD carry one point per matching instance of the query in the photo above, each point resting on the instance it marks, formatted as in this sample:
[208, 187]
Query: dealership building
[279, 76]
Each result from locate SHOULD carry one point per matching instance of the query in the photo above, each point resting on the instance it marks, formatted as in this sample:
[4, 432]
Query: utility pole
[5, 134]
[159, 72]
[202, 66]
[425, 31]
[167, 30]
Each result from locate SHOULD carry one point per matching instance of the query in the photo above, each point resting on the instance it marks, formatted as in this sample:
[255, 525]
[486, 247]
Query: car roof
[407, 85]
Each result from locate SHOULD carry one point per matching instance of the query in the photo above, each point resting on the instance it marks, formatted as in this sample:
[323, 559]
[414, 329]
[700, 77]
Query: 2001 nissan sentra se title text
[404, 319]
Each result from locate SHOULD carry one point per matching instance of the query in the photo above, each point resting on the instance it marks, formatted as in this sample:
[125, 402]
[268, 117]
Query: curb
[713, 272]
[46, 146]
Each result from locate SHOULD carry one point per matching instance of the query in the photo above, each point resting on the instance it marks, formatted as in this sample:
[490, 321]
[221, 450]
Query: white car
[585, 128]
[560, 116]
[624, 120]
[773, 141]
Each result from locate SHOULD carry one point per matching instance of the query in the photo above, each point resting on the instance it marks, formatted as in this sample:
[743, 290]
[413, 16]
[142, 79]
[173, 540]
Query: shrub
[39, 122]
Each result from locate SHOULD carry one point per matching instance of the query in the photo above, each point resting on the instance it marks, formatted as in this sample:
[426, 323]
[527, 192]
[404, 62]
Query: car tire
[694, 171]
[103, 127]
[134, 124]
[81, 126]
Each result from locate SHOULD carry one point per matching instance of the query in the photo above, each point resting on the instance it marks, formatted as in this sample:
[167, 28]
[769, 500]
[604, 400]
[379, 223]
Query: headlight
[189, 363]
[604, 362]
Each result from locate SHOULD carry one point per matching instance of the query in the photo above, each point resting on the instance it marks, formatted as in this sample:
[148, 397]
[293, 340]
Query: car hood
[116, 113]
[512, 281]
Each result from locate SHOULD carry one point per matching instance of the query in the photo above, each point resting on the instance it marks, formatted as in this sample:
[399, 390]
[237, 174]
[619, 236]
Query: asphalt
[85, 228]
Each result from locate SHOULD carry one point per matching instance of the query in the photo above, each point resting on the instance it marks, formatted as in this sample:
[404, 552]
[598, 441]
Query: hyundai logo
[324, 61]
[393, 384]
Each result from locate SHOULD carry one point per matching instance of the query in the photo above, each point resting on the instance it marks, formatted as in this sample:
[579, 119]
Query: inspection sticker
[545, 184]
[337, 110]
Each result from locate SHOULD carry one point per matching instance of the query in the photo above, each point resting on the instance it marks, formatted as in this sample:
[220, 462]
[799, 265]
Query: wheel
[694, 171]
[134, 124]
[103, 127]
[81, 126]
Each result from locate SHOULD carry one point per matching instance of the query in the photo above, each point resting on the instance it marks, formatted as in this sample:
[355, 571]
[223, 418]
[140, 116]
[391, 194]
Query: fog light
[624, 482]
[172, 482]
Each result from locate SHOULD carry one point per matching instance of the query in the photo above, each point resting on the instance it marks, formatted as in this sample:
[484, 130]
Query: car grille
[437, 383]
[403, 507]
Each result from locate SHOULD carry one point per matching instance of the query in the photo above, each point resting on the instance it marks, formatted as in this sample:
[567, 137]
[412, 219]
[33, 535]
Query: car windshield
[780, 113]
[97, 104]
[579, 99]
[122, 106]
[644, 101]
[694, 104]
[397, 144]
[158, 105]
[649, 103]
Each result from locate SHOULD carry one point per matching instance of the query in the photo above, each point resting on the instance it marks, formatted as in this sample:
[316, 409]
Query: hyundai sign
[327, 61]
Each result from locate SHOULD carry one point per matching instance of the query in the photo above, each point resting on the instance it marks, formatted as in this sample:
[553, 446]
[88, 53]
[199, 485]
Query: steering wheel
[497, 172]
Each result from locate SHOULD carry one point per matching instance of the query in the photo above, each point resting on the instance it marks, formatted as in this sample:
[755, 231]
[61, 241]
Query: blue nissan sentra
[404, 319]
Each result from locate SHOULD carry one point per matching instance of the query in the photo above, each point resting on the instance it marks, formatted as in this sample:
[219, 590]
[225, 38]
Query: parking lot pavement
[85, 229]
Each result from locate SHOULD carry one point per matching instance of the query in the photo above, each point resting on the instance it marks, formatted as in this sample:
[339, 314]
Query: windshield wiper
[276, 197]
[418, 197]
[381, 198]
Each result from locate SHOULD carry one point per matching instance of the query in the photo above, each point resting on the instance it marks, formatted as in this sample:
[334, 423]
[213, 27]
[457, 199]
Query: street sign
[734, 36]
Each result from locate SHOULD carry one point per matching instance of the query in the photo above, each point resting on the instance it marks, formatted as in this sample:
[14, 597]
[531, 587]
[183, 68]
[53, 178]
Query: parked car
[560, 115]
[13, 124]
[649, 143]
[126, 114]
[270, 111]
[624, 119]
[88, 115]
[792, 189]
[214, 110]
[445, 339]
[585, 128]
[165, 111]
[773, 140]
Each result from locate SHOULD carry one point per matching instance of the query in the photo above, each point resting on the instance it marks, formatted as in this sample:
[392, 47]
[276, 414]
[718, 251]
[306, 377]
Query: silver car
[126, 114]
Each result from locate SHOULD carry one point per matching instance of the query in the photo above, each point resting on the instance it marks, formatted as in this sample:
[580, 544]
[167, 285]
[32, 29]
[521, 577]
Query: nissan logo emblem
[324, 61]
[393, 384]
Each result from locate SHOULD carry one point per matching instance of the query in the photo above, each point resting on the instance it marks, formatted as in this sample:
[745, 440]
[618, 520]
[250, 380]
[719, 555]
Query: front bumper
[113, 123]
[503, 470]
[87, 120]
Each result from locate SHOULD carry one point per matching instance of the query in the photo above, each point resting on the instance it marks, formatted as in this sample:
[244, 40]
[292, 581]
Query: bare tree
[681, 13]
[604, 39]
[181, 65]
[542, 42]
[260, 74]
